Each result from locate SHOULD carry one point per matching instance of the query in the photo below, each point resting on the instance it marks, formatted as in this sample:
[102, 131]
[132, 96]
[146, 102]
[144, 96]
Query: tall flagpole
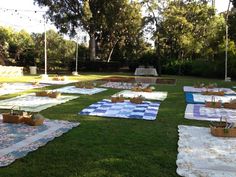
[45, 48]
[75, 73]
[227, 44]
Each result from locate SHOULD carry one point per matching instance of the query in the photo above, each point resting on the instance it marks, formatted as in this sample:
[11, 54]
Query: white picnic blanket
[75, 90]
[33, 103]
[123, 85]
[203, 98]
[201, 154]
[200, 112]
[17, 140]
[10, 88]
[197, 90]
[147, 95]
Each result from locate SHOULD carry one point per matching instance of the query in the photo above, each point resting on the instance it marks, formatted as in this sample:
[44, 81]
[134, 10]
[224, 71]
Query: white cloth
[198, 90]
[33, 103]
[75, 90]
[10, 88]
[145, 71]
[209, 114]
[201, 154]
[123, 85]
[147, 95]
[203, 98]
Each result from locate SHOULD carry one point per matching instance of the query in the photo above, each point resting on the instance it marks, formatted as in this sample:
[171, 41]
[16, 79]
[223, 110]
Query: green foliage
[113, 24]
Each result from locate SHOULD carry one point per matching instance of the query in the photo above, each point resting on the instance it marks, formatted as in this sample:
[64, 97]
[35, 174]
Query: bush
[97, 66]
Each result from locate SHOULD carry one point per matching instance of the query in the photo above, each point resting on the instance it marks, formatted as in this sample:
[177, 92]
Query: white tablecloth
[145, 72]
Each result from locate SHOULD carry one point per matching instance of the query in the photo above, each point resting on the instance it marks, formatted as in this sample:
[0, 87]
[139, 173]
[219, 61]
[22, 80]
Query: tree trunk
[111, 51]
[2, 62]
[2, 56]
[158, 55]
[92, 47]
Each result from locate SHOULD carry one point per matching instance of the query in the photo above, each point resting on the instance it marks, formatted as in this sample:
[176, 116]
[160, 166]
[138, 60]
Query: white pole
[76, 59]
[226, 51]
[75, 73]
[45, 47]
[226, 44]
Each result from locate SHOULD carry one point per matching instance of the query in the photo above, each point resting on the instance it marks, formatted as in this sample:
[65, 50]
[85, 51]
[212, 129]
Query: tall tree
[60, 52]
[108, 21]
[5, 36]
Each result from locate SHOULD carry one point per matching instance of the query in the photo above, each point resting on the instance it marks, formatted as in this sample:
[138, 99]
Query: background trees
[187, 35]
[109, 23]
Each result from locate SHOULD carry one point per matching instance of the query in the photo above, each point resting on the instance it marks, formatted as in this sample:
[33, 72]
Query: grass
[105, 147]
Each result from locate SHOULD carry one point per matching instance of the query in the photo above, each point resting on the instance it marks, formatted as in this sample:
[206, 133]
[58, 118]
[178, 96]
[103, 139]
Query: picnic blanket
[10, 88]
[33, 103]
[52, 82]
[201, 154]
[17, 140]
[196, 98]
[147, 95]
[105, 108]
[75, 90]
[200, 112]
[122, 85]
[198, 90]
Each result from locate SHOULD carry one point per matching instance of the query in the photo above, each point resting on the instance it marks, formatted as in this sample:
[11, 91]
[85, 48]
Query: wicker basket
[136, 100]
[35, 83]
[220, 93]
[147, 90]
[54, 94]
[229, 105]
[43, 93]
[117, 99]
[9, 118]
[33, 122]
[89, 86]
[137, 89]
[220, 131]
[58, 78]
[213, 104]
[79, 85]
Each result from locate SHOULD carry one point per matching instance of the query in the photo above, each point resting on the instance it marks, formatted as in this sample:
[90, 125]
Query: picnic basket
[117, 99]
[35, 83]
[220, 93]
[229, 105]
[79, 85]
[42, 93]
[148, 89]
[89, 85]
[11, 118]
[220, 129]
[14, 116]
[59, 78]
[54, 94]
[137, 100]
[213, 103]
[33, 122]
[209, 104]
[137, 89]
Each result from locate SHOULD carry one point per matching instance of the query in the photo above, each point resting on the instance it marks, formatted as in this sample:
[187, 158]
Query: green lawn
[105, 147]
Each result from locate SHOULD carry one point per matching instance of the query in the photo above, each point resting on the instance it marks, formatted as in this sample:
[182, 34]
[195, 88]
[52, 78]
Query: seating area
[131, 112]
[11, 71]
